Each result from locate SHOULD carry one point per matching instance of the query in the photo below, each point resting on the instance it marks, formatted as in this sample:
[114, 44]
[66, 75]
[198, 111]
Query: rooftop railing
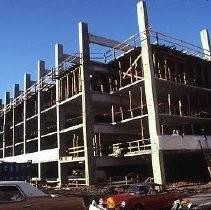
[156, 38]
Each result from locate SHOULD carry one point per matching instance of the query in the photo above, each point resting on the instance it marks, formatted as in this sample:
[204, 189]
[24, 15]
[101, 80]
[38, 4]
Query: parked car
[143, 196]
[16, 195]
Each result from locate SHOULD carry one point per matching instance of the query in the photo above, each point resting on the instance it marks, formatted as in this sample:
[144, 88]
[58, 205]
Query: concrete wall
[188, 142]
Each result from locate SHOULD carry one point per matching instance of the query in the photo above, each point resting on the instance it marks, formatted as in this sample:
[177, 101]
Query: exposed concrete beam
[205, 40]
[109, 43]
[37, 157]
[72, 128]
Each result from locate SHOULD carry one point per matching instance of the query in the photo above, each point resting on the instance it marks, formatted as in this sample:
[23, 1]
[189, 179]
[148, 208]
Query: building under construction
[142, 106]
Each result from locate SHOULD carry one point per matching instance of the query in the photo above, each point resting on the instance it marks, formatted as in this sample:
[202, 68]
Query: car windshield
[137, 189]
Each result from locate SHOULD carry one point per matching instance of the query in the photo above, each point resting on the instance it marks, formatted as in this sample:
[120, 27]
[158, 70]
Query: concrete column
[16, 93]
[7, 98]
[150, 91]
[27, 81]
[40, 74]
[1, 130]
[205, 40]
[87, 112]
[5, 123]
[1, 107]
[59, 112]
[58, 59]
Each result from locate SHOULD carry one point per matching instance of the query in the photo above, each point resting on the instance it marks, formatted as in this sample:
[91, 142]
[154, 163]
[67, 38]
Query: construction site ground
[95, 192]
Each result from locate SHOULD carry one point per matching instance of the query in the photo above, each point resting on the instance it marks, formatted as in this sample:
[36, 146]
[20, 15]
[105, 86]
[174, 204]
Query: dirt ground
[185, 187]
[95, 192]
[190, 188]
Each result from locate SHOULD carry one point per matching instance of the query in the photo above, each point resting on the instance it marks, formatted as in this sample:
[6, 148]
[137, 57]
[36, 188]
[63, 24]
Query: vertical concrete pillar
[5, 123]
[7, 98]
[27, 81]
[1, 130]
[40, 74]
[16, 92]
[205, 40]
[150, 91]
[59, 112]
[87, 113]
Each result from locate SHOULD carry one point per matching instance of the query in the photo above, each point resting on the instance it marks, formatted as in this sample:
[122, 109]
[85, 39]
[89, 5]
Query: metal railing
[130, 147]
[46, 82]
[158, 38]
[132, 42]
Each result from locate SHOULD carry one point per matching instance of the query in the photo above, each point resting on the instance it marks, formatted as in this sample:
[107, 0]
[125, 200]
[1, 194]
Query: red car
[144, 196]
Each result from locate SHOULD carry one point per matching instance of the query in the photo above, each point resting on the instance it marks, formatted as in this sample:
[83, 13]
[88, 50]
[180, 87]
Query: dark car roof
[26, 188]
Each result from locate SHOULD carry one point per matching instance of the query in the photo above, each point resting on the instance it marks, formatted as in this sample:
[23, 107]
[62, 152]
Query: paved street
[201, 200]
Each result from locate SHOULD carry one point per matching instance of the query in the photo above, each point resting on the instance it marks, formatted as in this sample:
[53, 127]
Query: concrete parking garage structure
[141, 106]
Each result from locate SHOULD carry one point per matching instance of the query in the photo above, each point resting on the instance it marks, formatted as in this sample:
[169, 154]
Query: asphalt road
[201, 200]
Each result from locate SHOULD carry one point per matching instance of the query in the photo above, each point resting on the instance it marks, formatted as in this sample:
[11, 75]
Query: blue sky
[29, 29]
